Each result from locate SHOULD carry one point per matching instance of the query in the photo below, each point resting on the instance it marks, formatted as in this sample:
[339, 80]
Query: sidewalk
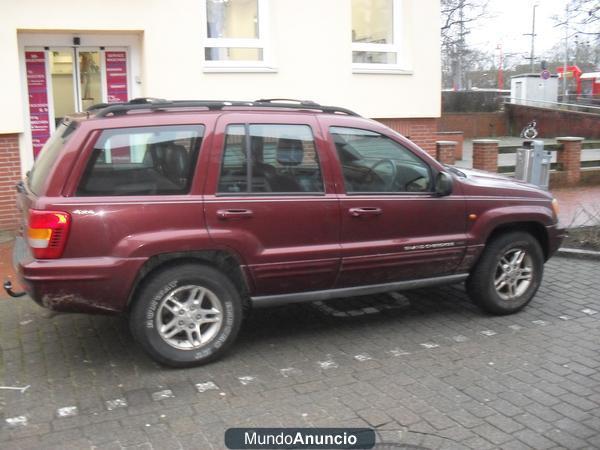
[579, 206]
[425, 369]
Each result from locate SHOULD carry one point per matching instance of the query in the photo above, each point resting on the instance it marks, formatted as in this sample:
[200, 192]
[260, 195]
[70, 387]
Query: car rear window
[157, 160]
[48, 156]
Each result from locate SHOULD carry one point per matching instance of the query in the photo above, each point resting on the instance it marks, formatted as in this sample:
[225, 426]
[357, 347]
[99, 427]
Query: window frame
[430, 188]
[262, 43]
[248, 149]
[396, 47]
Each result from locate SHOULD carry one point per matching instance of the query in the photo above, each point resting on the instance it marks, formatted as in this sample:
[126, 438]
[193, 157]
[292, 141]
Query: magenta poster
[37, 87]
[116, 76]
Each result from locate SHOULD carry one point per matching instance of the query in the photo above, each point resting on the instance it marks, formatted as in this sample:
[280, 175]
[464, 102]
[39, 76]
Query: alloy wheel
[514, 274]
[189, 317]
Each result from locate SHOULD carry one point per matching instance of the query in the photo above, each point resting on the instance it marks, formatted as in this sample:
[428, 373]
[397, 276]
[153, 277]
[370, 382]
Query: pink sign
[116, 76]
[37, 87]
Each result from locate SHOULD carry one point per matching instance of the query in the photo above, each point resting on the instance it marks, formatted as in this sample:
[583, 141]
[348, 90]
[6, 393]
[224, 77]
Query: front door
[393, 227]
[65, 80]
[270, 198]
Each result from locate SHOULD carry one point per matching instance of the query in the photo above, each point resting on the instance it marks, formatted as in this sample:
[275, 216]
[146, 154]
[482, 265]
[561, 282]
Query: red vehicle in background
[587, 85]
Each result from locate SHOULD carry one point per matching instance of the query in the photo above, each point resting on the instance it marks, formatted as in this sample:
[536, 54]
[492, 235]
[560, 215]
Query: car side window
[142, 161]
[263, 158]
[372, 162]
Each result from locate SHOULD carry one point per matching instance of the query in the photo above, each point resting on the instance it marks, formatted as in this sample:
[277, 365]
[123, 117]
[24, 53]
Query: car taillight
[47, 233]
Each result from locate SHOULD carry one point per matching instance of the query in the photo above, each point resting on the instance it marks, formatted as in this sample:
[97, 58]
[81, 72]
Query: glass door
[67, 80]
[89, 68]
[62, 83]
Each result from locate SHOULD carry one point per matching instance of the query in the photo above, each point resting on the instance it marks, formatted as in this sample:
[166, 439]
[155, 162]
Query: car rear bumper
[556, 235]
[85, 285]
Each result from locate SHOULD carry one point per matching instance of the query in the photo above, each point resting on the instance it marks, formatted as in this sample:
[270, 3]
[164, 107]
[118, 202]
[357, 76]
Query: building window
[376, 35]
[235, 34]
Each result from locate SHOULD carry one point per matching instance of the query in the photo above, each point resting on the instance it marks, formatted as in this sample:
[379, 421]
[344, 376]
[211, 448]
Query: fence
[585, 163]
[568, 170]
[579, 107]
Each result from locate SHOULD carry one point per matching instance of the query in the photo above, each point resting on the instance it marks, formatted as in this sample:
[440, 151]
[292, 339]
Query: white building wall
[310, 42]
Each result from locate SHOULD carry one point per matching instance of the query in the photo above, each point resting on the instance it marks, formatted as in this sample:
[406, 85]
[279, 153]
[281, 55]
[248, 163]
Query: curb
[578, 254]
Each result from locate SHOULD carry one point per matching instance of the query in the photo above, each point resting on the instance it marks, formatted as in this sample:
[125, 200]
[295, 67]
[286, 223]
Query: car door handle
[365, 211]
[225, 214]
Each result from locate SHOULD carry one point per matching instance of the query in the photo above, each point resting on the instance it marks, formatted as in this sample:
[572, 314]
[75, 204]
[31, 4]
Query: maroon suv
[184, 214]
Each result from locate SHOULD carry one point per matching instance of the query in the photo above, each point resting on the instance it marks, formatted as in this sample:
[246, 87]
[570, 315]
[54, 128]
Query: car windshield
[48, 156]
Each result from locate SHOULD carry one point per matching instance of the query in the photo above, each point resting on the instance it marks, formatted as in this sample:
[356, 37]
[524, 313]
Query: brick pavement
[425, 368]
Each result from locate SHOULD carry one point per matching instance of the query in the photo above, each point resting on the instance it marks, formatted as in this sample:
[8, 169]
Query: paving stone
[403, 416]
[533, 422]
[465, 418]
[492, 434]
[504, 423]
[534, 440]
[530, 385]
[575, 428]
[565, 439]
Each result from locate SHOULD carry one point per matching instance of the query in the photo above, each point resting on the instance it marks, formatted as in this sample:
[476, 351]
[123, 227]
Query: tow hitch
[8, 288]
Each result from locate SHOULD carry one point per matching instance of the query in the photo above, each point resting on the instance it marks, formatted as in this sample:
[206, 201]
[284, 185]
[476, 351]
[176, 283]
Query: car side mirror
[443, 184]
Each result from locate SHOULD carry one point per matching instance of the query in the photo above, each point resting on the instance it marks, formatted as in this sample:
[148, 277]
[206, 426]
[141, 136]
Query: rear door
[394, 227]
[269, 197]
[132, 191]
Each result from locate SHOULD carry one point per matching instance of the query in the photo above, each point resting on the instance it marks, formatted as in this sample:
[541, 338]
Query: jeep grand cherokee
[184, 214]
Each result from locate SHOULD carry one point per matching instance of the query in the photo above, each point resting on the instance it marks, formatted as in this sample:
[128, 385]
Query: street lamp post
[500, 68]
[532, 34]
[564, 74]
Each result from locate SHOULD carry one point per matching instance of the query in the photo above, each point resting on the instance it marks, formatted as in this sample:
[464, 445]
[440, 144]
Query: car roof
[139, 112]
[141, 105]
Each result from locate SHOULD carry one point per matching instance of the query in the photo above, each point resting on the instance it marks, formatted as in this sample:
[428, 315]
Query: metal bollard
[533, 164]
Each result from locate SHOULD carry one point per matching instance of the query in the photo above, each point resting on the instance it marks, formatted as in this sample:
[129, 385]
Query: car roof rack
[159, 104]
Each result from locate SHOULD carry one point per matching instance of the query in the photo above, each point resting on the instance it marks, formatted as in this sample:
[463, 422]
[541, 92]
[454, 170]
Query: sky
[510, 19]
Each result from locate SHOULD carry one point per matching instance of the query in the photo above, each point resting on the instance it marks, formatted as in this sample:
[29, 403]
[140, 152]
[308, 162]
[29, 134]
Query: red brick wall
[446, 152]
[421, 131]
[10, 174]
[485, 155]
[456, 136]
[569, 157]
[553, 122]
[475, 125]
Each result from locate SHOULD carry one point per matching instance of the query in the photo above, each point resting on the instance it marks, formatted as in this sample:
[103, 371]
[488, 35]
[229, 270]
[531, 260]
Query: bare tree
[458, 16]
[584, 17]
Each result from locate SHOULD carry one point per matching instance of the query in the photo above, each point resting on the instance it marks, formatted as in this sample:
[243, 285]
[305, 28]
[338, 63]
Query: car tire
[508, 273]
[186, 315]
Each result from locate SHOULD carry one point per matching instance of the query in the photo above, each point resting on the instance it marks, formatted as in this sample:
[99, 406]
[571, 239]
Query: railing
[580, 99]
[578, 107]
[585, 164]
